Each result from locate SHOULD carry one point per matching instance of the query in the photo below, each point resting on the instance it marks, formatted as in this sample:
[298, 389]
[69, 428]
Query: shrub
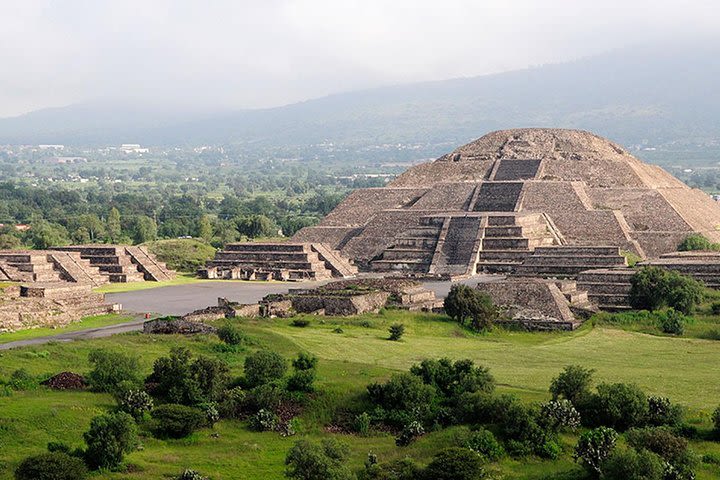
[189, 474]
[264, 420]
[716, 421]
[305, 361]
[671, 448]
[572, 383]
[408, 434]
[403, 393]
[109, 438]
[110, 369]
[301, 381]
[211, 412]
[404, 469]
[672, 322]
[455, 464]
[230, 334]
[683, 292]
[268, 396]
[619, 405]
[135, 402]
[696, 242]
[662, 412]
[232, 403]
[179, 379]
[326, 460]
[176, 421]
[263, 366]
[51, 466]
[463, 303]
[454, 379]
[361, 425]
[484, 443]
[594, 447]
[300, 322]
[715, 308]
[633, 464]
[21, 380]
[559, 414]
[397, 330]
[520, 425]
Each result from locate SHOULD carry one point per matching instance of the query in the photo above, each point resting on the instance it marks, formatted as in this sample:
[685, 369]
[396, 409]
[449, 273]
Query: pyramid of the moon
[495, 200]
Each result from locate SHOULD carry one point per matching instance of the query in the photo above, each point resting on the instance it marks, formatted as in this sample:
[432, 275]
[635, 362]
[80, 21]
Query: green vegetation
[181, 279]
[654, 288]
[95, 321]
[343, 364]
[183, 255]
[697, 242]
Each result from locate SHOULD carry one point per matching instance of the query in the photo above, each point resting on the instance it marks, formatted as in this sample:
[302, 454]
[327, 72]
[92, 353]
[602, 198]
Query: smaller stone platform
[567, 261]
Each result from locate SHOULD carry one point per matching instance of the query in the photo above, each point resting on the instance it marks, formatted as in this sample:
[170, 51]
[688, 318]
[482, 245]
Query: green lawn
[523, 363]
[87, 322]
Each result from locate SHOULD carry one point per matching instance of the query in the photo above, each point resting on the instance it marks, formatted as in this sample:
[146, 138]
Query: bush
[594, 447]
[408, 434]
[632, 464]
[559, 414]
[51, 466]
[135, 402]
[619, 405]
[397, 330]
[264, 366]
[572, 383]
[232, 403]
[405, 397]
[463, 303]
[304, 361]
[263, 421]
[21, 380]
[361, 425]
[179, 379]
[110, 369]
[308, 460]
[211, 412]
[484, 443]
[301, 381]
[716, 421]
[183, 255]
[404, 469]
[671, 448]
[653, 288]
[230, 334]
[662, 412]
[455, 464]
[109, 438]
[673, 322]
[176, 421]
[300, 322]
[453, 379]
[190, 475]
[697, 242]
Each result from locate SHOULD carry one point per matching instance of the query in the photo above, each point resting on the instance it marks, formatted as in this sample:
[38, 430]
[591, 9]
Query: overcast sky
[239, 54]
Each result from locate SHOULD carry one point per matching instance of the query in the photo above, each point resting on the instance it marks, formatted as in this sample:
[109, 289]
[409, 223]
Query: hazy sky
[236, 53]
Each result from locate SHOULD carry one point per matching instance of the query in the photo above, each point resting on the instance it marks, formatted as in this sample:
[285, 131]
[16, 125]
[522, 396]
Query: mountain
[652, 94]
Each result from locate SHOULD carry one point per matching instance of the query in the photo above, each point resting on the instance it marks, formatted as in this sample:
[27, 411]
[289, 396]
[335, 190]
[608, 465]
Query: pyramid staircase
[152, 269]
[413, 250]
[111, 260]
[569, 260]
[28, 266]
[607, 288]
[277, 261]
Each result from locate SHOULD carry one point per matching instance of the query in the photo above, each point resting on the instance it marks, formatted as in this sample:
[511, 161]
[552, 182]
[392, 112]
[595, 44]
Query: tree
[463, 303]
[326, 460]
[455, 464]
[111, 369]
[176, 421]
[44, 234]
[143, 229]
[453, 379]
[572, 383]
[396, 331]
[114, 228]
[9, 242]
[631, 464]
[593, 447]
[264, 366]
[205, 230]
[51, 466]
[697, 242]
[256, 226]
[618, 405]
[109, 438]
[230, 334]
[653, 288]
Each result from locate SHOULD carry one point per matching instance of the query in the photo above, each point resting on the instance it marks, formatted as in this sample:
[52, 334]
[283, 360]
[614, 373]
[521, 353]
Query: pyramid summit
[489, 204]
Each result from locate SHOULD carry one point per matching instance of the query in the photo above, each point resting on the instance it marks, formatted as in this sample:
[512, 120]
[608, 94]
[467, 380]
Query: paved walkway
[99, 332]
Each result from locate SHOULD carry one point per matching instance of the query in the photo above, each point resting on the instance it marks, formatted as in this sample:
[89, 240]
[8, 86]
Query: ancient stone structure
[703, 266]
[277, 261]
[489, 204]
[537, 304]
[176, 326]
[121, 263]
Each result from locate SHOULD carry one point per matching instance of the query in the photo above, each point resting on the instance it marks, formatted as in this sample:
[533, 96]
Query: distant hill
[651, 94]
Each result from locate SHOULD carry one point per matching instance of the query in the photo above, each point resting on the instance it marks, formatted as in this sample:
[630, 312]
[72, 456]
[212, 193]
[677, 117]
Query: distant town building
[133, 148]
[51, 147]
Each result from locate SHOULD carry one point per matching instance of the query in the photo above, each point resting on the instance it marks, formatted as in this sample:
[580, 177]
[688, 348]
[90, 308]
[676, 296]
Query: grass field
[685, 369]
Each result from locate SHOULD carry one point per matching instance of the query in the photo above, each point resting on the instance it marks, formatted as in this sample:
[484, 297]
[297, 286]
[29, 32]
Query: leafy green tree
[205, 230]
[396, 331]
[453, 379]
[455, 463]
[111, 369]
[114, 227]
[572, 383]
[464, 303]
[326, 460]
[618, 405]
[653, 288]
[697, 242]
[43, 235]
[109, 438]
[51, 466]
[142, 229]
[176, 421]
[631, 464]
[254, 226]
[9, 242]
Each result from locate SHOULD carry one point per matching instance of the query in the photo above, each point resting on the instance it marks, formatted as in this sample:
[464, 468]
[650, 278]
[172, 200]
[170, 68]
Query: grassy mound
[183, 254]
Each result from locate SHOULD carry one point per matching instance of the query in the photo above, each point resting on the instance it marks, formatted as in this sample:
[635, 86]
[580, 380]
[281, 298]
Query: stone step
[606, 276]
[512, 255]
[265, 247]
[258, 255]
[400, 265]
[573, 250]
[550, 260]
[609, 299]
[406, 254]
[426, 243]
[267, 264]
[552, 270]
[506, 243]
[602, 287]
[496, 267]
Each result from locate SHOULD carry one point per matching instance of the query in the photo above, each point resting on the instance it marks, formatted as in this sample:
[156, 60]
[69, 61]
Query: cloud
[232, 54]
